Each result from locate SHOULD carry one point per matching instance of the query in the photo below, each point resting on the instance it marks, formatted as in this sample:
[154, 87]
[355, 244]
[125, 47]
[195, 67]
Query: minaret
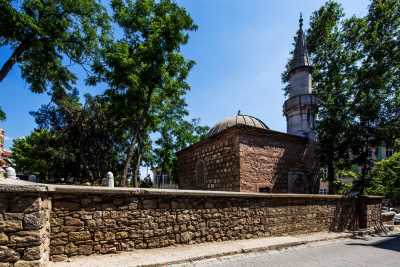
[301, 105]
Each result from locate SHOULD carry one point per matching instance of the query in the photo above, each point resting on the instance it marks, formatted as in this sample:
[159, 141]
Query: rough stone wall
[372, 212]
[24, 229]
[212, 164]
[95, 220]
[268, 159]
[99, 223]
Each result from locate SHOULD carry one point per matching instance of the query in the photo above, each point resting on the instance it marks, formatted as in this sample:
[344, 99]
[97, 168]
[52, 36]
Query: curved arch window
[201, 174]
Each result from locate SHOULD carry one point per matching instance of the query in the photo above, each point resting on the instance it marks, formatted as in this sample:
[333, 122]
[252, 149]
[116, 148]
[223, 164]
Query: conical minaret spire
[300, 54]
[301, 106]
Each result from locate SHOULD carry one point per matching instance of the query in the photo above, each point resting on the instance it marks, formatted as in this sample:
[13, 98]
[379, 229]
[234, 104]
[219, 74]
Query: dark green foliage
[356, 75]
[48, 35]
[145, 70]
[43, 154]
[2, 115]
[145, 75]
[146, 182]
[82, 142]
[386, 178]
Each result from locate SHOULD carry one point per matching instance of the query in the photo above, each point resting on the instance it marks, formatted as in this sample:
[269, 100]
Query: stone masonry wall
[212, 164]
[372, 209]
[57, 222]
[101, 223]
[24, 229]
[268, 158]
[249, 159]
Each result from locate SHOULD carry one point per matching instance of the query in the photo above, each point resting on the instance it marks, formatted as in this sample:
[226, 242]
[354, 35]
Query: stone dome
[239, 119]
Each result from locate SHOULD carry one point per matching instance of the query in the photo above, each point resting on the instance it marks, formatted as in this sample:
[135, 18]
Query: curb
[246, 251]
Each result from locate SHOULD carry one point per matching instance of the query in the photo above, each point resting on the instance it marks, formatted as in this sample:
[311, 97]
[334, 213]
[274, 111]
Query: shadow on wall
[297, 170]
[344, 217]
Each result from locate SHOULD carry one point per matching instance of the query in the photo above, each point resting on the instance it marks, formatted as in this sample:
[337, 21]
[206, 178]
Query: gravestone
[11, 174]
[109, 180]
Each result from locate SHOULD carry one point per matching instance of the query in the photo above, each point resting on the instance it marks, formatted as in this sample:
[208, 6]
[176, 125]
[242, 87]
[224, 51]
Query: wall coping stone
[23, 186]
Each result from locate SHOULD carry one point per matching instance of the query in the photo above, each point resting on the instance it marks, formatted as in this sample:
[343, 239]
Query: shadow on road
[391, 242]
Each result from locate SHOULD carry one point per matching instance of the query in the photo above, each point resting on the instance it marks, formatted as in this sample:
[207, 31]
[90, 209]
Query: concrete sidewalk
[187, 253]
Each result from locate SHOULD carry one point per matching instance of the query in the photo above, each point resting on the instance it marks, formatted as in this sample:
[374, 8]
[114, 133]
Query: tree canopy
[141, 116]
[47, 36]
[356, 76]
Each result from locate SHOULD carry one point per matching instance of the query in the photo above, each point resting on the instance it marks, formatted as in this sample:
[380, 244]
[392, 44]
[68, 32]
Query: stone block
[3, 238]
[35, 220]
[68, 229]
[55, 250]
[71, 249]
[85, 249]
[22, 263]
[56, 258]
[121, 235]
[10, 226]
[106, 249]
[25, 237]
[69, 221]
[8, 255]
[186, 237]
[33, 253]
[80, 236]
[14, 216]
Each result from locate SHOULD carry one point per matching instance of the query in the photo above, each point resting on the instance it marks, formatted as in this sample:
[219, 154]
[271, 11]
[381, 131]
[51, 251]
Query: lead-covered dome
[239, 119]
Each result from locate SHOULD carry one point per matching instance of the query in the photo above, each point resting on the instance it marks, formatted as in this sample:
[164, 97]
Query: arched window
[201, 175]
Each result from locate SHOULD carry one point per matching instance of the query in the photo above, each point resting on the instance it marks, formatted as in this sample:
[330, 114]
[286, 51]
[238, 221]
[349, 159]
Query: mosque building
[242, 153]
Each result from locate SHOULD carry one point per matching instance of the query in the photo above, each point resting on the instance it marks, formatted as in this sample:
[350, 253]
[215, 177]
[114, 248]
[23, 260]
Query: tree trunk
[137, 171]
[7, 66]
[141, 126]
[364, 168]
[331, 174]
[128, 160]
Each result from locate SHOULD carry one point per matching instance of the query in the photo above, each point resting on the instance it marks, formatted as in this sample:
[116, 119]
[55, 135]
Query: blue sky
[241, 48]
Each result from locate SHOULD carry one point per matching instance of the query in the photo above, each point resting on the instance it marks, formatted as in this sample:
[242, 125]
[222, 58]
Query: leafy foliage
[2, 115]
[144, 70]
[45, 34]
[386, 178]
[139, 119]
[356, 76]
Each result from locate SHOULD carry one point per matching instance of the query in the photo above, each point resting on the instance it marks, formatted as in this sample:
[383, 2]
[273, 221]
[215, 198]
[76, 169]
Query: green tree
[45, 36]
[145, 67]
[175, 135]
[42, 153]
[2, 115]
[332, 77]
[332, 80]
[386, 178]
[85, 137]
[375, 91]
[356, 76]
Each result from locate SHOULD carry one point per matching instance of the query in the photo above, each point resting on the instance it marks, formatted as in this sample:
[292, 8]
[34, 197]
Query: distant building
[5, 155]
[375, 153]
[241, 153]
[162, 180]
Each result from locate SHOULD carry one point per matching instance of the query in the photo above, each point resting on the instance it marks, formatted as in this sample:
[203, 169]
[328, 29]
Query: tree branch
[7, 66]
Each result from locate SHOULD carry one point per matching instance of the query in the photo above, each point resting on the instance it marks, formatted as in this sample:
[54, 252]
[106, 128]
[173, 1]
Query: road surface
[368, 251]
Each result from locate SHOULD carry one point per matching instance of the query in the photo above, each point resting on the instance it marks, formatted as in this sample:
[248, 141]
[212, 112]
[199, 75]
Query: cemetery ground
[318, 249]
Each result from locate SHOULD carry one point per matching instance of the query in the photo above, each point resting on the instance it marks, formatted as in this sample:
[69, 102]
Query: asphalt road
[369, 251]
